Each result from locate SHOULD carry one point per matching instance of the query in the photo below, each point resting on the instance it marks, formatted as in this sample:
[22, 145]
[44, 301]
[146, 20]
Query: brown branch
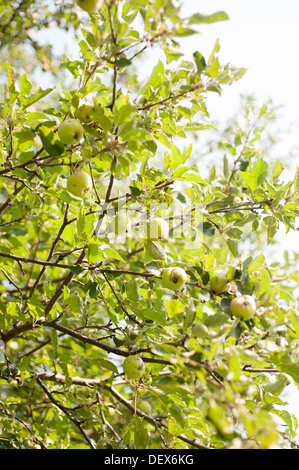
[120, 302]
[60, 231]
[171, 97]
[95, 382]
[65, 411]
[22, 165]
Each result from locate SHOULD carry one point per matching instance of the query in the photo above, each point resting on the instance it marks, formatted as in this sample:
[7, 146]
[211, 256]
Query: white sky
[262, 36]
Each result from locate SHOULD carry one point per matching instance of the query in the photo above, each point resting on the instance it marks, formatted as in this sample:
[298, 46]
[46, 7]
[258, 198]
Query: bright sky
[262, 36]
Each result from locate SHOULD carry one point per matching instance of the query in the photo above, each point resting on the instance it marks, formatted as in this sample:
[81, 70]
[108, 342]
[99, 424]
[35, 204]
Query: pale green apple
[157, 228]
[120, 224]
[79, 183]
[133, 367]
[144, 406]
[90, 6]
[70, 131]
[85, 113]
[218, 281]
[174, 278]
[243, 306]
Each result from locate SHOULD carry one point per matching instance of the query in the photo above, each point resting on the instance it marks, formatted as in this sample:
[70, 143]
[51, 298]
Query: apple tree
[129, 223]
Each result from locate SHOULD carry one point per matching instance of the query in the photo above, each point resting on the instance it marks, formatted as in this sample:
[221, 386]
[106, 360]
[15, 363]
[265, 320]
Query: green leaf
[122, 110]
[177, 414]
[137, 134]
[2, 308]
[153, 251]
[288, 364]
[50, 141]
[54, 342]
[81, 221]
[25, 86]
[233, 246]
[197, 18]
[154, 315]
[264, 284]
[141, 437]
[74, 304]
[199, 61]
[271, 228]
[276, 172]
[77, 269]
[123, 62]
[257, 263]
[40, 94]
[192, 178]
[13, 93]
[103, 120]
[111, 253]
[35, 307]
[107, 365]
[207, 229]
[155, 79]
[216, 320]
[249, 179]
[296, 180]
[176, 157]
[260, 171]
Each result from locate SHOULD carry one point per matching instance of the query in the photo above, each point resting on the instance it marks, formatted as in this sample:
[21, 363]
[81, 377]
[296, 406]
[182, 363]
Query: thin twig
[65, 411]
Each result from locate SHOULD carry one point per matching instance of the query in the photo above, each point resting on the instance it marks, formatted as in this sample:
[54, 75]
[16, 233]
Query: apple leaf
[287, 364]
[35, 307]
[50, 141]
[154, 315]
[141, 437]
[77, 269]
[197, 18]
[111, 253]
[199, 61]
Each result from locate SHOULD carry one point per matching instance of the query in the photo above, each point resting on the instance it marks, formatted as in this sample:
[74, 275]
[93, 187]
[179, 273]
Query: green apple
[70, 131]
[218, 281]
[174, 278]
[144, 406]
[243, 306]
[79, 183]
[133, 367]
[120, 224]
[85, 113]
[157, 228]
[90, 5]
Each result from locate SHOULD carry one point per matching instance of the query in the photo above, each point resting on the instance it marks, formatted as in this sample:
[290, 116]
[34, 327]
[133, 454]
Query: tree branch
[95, 382]
[65, 411]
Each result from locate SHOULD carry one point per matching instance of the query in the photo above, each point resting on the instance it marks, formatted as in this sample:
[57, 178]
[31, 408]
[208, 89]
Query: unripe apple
[85, 113]
[144, 406]
[133, 367]
[79, 183]
[157, 228]
[174, 278]
[120, 223]
[218, 282]
[70, 131]
[243, 306]
[90, 5]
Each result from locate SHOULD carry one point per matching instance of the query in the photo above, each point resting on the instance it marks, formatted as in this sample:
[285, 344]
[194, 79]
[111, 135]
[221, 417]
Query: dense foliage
[76, 299]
